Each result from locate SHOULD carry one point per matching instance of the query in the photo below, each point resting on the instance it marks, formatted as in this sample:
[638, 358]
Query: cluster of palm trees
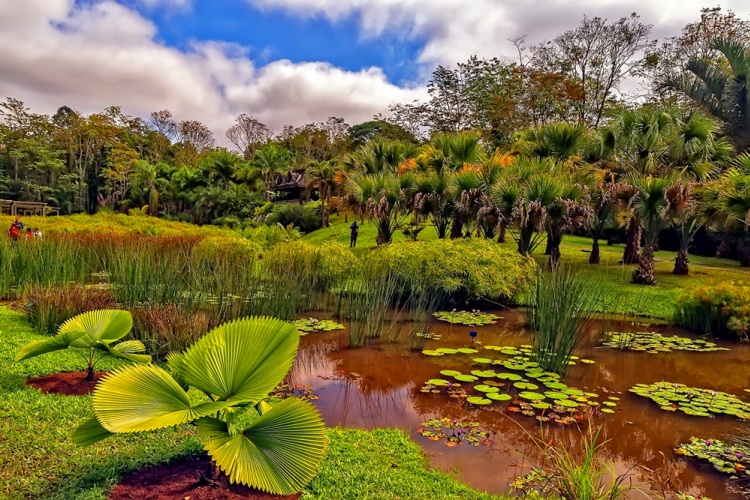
[650, 169]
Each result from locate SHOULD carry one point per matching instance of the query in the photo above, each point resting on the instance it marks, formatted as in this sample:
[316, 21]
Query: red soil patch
[68, 383]
[182, 480]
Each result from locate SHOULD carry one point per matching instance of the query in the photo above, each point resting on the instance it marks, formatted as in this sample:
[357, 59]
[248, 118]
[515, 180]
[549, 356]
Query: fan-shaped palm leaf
[242, 360]
[279, 452]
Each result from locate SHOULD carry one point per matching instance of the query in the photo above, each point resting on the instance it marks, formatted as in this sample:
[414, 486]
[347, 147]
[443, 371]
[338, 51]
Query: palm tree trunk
[681, 263]
[631, 256]
[457, 228]
[743, 253]
[644, 275]
[501, 226]
[594, 257]
[554, 257]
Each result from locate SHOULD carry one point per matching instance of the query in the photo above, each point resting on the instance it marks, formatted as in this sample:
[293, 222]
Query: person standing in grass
[355, 232]
[37, 233]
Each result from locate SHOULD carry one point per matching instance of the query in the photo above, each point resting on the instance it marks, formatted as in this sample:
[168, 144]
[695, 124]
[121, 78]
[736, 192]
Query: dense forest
[600, 130]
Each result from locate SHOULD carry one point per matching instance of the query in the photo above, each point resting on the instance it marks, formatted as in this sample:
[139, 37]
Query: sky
[281, 61]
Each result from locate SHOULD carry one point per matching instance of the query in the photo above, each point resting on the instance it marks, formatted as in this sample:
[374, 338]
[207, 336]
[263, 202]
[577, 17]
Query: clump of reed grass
[367, 295]
[169, 328]
[49, 307]
[559, 316]
[574, 470]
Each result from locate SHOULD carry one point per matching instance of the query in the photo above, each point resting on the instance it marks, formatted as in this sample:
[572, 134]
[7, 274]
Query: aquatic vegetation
[728, 458]
[722, 310]
[312, 325]
[454, 432]
[302, 391]
[467, 318]
[693, 401]
[654, 343]
[559, 315]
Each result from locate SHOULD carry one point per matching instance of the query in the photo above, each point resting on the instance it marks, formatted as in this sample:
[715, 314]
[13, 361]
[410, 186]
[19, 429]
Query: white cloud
[54, 53]
[455, 30]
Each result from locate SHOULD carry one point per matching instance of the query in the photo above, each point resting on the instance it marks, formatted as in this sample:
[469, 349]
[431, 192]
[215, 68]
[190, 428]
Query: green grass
[610, 279]
[38, 460]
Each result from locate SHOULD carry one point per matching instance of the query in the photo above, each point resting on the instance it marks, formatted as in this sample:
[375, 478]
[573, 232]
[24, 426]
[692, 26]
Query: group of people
[16, 230]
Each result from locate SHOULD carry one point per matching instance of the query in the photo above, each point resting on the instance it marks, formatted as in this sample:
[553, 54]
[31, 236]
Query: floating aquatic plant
[654, 343]
[731, 459]
[312, 325]
[454, 432]
[467, 318]
[692, 400]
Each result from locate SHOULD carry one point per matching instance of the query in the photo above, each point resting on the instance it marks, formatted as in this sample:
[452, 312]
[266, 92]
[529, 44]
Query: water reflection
[378, 386]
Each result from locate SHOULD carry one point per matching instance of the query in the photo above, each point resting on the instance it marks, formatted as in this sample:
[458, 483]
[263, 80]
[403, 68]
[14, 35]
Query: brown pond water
[385, 392]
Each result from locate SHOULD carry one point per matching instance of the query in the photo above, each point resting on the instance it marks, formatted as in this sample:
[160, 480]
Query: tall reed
[50, 307]
[367, 293]
[560, 316]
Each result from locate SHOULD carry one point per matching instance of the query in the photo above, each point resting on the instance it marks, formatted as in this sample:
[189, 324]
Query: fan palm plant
[720, 87]
[233, 367]
[384, 198]
[655, 201]
[322, 176]
[466, 189]
[432, 198]
[556, 140]
[93, 332]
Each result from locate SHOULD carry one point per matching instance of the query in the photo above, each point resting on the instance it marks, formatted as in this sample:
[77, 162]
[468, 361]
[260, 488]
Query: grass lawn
[38, 460]
[610, 280]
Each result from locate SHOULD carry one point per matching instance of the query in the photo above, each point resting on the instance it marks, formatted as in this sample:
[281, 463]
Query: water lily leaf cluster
[467, 318]
[454, 432]
[653, 342]
[312, 325]
[728, 458]
[692, 400]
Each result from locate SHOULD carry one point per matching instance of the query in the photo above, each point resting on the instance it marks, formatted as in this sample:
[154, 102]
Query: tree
[383, 196]
[233, 367]
[720, 87]
[163, 123]
[271, 160]
[95, 332]
[600, 55]
[248, 134]
[322, 176]
[197, 135]
[655, 202]
[432, 197]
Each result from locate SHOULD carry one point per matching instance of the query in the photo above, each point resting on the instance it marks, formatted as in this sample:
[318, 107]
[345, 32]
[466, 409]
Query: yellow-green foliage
[321, 265]
[720, 309]
[479, 268]
[112, 223]
[226, 249]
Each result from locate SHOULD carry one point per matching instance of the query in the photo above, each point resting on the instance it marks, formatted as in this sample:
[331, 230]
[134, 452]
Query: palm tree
[568, 211]
[432, 197]
[383, 196]
[556, 140]
[146, 181]
[322, 176]
[604, 191]
[467, 187]
[727, 204]
[271, 160]
[655, 202]
[720, 87]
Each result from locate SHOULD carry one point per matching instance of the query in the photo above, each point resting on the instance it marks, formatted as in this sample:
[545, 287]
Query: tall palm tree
[720, 87]
[655, 202]
[466, 188]
[272, 160]
[727, 204]
[322, 176]
[432, 197]
[383, 196]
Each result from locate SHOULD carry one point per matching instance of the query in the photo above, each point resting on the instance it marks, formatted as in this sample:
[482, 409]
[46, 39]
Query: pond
[378, 385]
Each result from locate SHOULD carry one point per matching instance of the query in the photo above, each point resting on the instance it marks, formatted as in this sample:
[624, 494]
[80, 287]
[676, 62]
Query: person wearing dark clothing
[355, 232]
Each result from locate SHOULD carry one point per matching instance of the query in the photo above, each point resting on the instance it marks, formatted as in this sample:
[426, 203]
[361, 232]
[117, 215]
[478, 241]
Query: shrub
[305, 217]
[722, 310]
[466, 268]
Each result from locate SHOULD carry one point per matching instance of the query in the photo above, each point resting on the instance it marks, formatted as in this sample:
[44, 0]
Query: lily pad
[483, 361]
[567, 403]
[466, 350]
[499, 397]
[438, 382]
[531, 396]
[526, 386]
[468, 318]
[486, 388]
[509, 376]
[477, 400]
[653, 342]
[430, 352]
[450, 373]
[446, 350]
[310, 325]
[465, 378]
[555, 395]
[483, 373]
